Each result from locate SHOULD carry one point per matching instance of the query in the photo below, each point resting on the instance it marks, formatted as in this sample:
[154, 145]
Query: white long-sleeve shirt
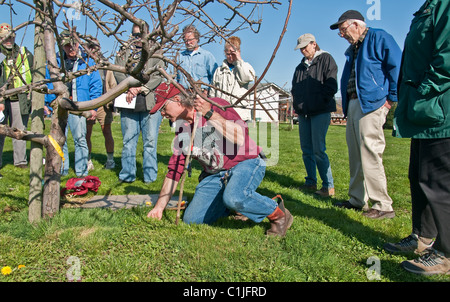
[234, 81]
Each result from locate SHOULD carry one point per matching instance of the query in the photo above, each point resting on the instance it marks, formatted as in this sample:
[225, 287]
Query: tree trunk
[53, 160]
[37, 123]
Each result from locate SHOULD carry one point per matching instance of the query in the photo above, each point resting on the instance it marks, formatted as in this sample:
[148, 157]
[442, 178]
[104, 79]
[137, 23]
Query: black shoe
[347, 205]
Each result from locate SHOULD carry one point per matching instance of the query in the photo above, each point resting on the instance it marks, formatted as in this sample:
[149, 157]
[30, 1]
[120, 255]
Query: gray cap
[304, 40]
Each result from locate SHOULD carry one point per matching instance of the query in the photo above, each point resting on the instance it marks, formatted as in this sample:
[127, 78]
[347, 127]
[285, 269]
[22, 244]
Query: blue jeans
[133, 123]
[77, 125]
[213, 199]
[313, 132]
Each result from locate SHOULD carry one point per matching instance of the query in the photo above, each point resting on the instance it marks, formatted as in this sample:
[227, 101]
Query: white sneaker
[90, 165]
[110, 164]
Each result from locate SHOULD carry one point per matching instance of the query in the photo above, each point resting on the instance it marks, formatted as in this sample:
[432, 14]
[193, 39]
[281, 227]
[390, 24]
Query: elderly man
[198, 62]
[81, 89]
[233, 166]
[368, 88]
[16, 108]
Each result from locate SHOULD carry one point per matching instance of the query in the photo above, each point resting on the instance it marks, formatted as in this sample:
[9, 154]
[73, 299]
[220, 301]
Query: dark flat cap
[350, 14]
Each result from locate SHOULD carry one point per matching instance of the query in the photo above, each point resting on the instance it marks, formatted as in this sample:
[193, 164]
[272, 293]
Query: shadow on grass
[336, 218]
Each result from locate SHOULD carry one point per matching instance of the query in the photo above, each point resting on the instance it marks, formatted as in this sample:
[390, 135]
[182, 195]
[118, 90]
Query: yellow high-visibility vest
[22, 65]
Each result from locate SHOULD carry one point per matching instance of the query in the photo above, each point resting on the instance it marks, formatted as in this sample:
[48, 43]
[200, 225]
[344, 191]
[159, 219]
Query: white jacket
[236, 82]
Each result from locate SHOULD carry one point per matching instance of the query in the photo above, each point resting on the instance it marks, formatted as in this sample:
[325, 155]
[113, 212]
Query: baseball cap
[304, 40]
[162, 93]
[350, 14]
[5, 28]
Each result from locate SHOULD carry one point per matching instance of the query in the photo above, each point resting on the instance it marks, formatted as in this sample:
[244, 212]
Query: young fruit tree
[92, 25]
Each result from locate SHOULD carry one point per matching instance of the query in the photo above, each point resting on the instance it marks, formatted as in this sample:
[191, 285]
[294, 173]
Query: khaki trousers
[366, 144]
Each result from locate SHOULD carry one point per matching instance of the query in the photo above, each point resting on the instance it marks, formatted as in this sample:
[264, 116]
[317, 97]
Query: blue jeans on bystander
[313, 131]
[77, 125]
[133, 123]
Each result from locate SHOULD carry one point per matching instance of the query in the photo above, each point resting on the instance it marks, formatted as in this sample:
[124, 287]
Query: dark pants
[429, 176]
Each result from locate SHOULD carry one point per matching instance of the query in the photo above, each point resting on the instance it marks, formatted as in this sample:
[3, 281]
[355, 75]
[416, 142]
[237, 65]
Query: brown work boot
[280, 220]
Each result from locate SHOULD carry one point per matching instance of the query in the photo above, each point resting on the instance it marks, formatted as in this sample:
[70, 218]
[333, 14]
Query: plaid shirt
[351, 88]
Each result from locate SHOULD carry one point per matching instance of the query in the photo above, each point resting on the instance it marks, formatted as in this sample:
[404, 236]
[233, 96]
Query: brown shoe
[432, 263]
[280, 220]
[377, 214]
[308, 188]
[22, 166]
[325, 192]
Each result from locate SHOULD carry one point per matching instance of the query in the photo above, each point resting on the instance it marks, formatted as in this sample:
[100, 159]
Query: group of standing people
[376, 74]
[368, 88]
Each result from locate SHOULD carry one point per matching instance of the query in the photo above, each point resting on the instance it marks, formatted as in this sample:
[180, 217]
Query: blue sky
[312, 16]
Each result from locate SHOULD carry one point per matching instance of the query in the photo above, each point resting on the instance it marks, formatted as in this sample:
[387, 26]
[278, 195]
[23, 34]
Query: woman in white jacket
[233, 78]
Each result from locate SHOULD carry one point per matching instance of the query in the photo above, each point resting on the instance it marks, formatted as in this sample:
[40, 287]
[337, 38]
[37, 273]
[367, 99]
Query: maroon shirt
[210, 148]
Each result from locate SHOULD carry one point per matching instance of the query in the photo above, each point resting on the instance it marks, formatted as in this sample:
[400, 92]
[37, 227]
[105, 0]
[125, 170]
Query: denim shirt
[200, 64]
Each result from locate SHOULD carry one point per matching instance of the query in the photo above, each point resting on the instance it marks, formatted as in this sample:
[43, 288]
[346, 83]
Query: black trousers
[429, 177]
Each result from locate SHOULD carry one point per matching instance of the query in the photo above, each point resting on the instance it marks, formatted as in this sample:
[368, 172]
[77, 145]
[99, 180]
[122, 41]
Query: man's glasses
[341, 33]
[163, 107]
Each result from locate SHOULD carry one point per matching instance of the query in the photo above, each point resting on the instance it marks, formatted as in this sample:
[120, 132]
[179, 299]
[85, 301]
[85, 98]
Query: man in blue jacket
[83, 88]
[368, 88]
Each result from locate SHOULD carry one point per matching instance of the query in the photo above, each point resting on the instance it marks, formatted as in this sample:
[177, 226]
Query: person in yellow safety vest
[15, 71]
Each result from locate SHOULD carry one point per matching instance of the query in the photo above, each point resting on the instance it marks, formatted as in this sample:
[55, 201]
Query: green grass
[325, 243]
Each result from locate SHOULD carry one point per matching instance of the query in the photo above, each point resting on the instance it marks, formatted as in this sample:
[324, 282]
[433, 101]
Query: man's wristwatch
[209, 114]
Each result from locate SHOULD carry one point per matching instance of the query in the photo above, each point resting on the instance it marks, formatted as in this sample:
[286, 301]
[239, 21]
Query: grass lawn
[324, 244]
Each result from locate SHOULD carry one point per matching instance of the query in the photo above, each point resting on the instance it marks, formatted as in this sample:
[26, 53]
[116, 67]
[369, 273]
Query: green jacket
[423, 110]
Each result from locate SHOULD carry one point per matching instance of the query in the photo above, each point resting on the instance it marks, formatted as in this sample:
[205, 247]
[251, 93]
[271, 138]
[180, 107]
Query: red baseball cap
[162, 93]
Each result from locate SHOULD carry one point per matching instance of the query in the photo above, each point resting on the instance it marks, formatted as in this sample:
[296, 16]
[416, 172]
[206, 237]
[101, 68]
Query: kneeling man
[233, 166]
